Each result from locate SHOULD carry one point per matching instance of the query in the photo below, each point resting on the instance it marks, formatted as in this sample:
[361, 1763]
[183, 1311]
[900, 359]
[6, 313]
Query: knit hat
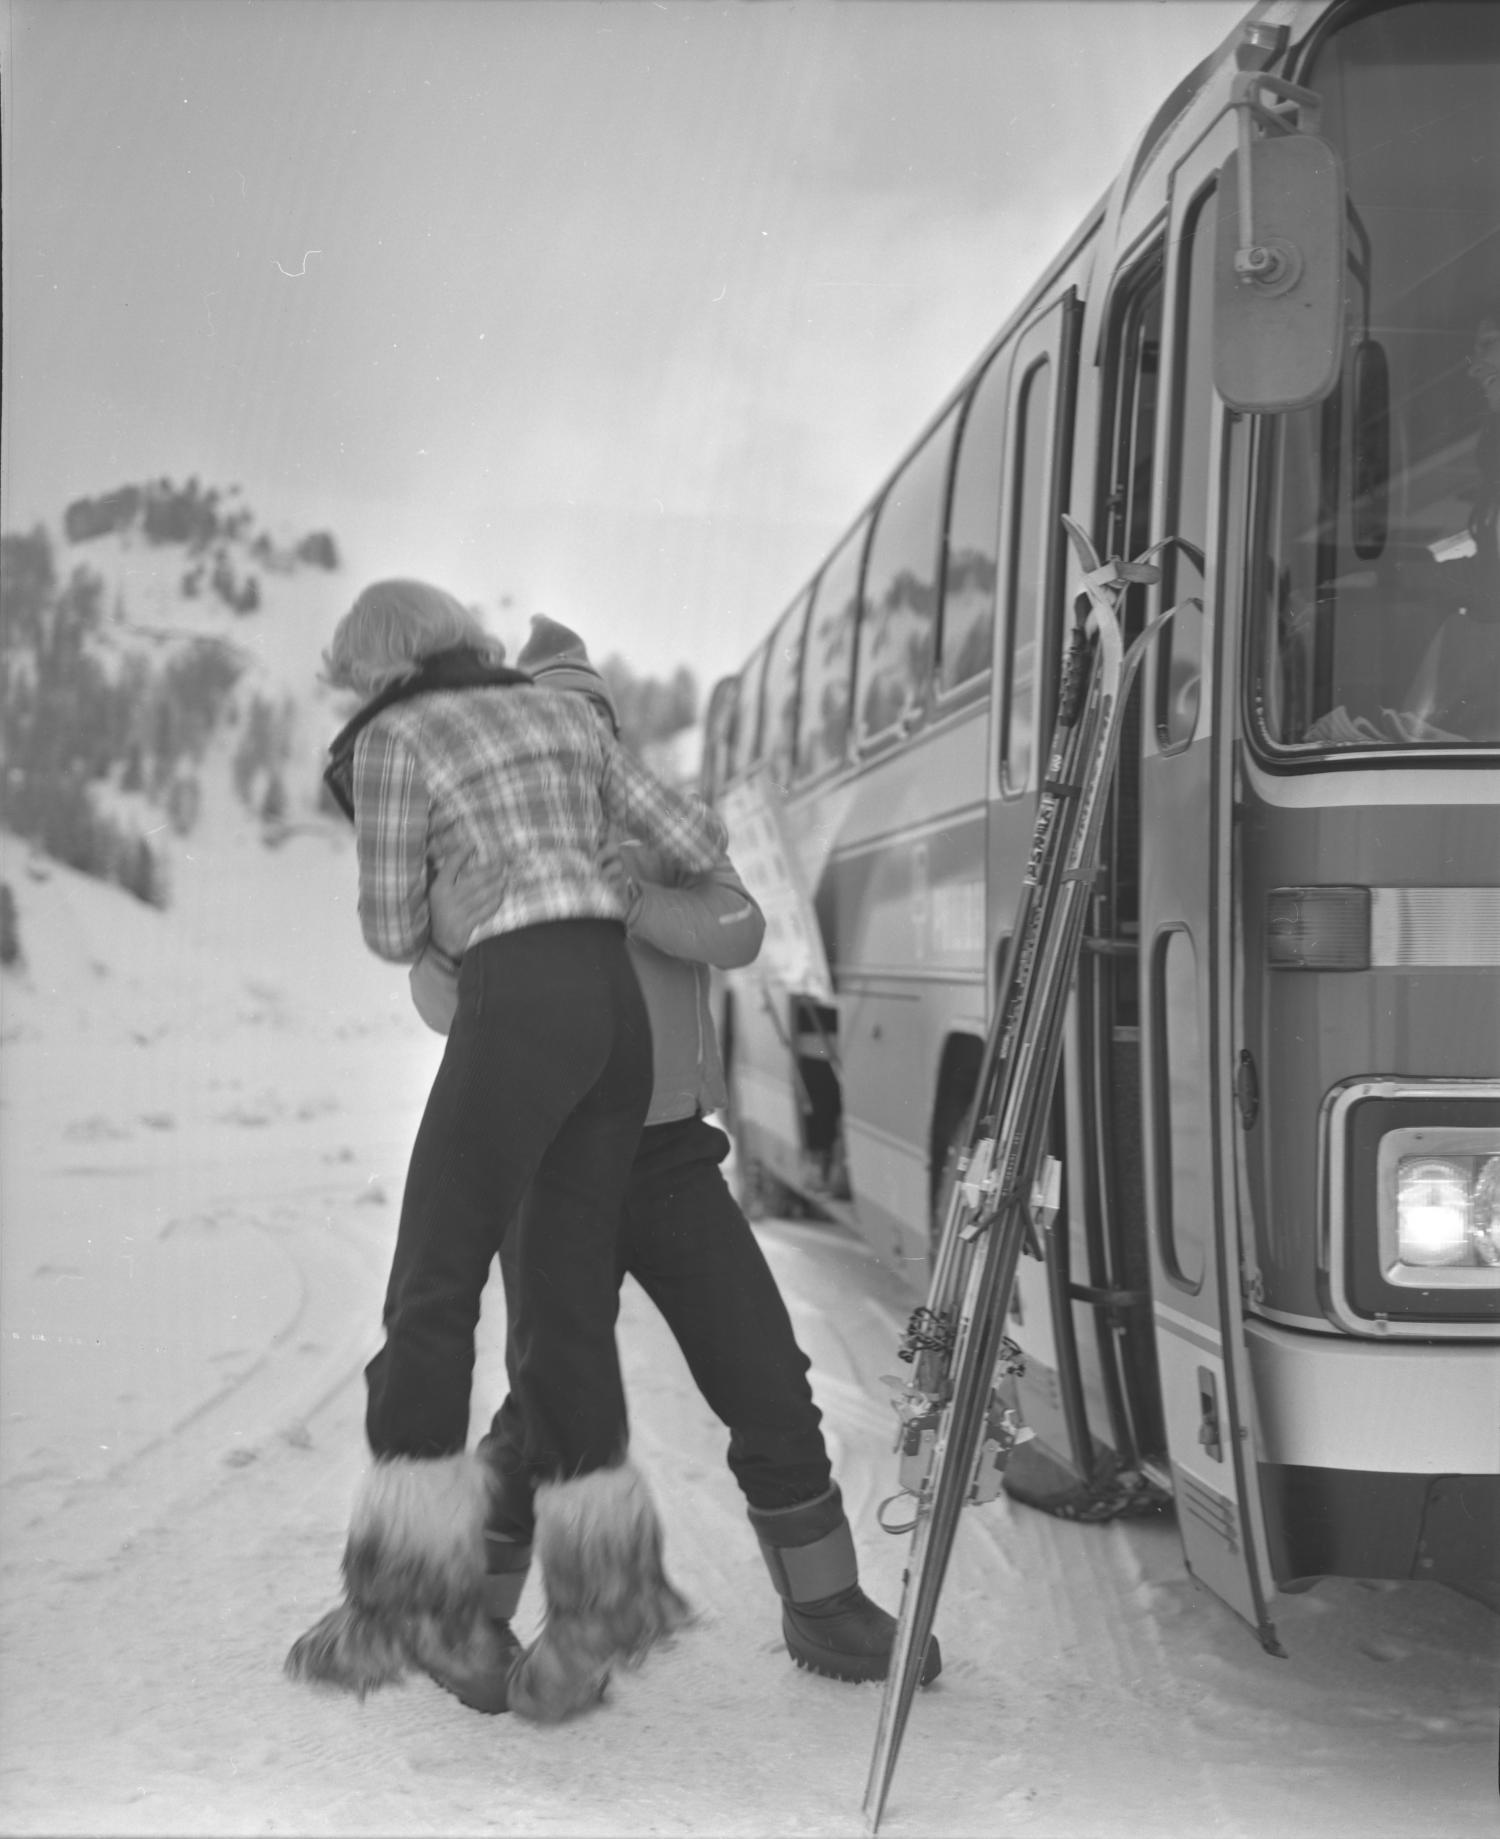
[558, 660]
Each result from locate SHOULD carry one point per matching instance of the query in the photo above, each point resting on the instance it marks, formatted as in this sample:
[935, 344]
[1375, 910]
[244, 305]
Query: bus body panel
[903, 889]
[1308, 1031]
[1215, 1328]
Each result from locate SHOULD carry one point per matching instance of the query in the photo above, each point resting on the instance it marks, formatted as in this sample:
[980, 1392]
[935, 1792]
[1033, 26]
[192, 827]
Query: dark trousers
[685, 1241]
[540, 1096]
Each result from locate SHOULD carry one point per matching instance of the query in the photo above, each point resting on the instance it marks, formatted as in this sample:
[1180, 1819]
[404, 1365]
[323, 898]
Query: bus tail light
[1318, 929]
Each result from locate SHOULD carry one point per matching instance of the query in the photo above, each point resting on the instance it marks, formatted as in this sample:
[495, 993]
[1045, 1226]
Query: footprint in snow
[95, 1129]
[1382, 1650]
[192, 1222]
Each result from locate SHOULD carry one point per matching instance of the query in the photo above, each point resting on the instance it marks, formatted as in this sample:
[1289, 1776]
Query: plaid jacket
[674, 935]
[524, 777]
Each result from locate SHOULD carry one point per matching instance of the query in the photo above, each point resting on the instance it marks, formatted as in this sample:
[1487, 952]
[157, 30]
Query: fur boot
[828, 1623]
[414, 1569]
[599, 1544]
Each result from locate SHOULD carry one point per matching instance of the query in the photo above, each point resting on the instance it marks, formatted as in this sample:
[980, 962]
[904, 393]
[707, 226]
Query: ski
[956, 1426]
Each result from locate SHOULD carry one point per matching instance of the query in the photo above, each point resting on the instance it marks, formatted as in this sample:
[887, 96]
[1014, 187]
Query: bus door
[1189, 1132]
[1029, 644]
[1110, 1279]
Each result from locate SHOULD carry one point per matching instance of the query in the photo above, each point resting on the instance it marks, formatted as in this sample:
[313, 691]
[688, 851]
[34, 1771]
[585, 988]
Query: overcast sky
[619, 310]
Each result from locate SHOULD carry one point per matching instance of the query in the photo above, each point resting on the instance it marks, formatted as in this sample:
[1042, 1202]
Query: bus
[1271, 1294]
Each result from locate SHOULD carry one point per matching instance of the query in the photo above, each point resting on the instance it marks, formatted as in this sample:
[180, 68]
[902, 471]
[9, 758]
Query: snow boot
[599, 1544]
[830, 1626]
[414, 1569]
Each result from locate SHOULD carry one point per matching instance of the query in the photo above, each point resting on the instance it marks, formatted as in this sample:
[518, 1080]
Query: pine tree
[10, 926]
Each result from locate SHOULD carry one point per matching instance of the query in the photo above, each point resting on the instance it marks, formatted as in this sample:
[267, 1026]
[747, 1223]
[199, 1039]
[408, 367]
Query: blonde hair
[392, 627]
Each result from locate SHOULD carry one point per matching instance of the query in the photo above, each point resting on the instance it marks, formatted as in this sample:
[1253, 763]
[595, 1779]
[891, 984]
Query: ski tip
[1083, 548]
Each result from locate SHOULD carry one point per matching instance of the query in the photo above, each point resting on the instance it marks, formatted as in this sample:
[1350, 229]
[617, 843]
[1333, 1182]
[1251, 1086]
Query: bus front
[1368, 845]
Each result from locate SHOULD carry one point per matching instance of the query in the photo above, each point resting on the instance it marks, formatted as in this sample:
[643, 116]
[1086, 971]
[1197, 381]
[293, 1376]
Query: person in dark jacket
[683, 1237]
[541, 1095]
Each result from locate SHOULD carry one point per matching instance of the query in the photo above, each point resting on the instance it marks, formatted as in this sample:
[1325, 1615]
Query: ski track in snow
[206, 1115]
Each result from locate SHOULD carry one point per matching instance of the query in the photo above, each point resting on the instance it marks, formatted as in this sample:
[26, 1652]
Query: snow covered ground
[206, 1116]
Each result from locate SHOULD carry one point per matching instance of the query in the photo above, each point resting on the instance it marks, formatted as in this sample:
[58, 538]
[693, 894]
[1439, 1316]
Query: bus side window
[783, 669]
[827, 669]
[898, 618]
[1128, 437]
[1032, 448]
[1184, 1199]
[1137, 376]
[971, 574]
[747, 727]
[1179, 679]
[717, 727]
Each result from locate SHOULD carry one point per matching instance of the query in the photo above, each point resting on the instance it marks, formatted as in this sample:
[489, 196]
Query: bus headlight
[1440, 1212]
[1432, 1212]
[1485, 1219]
[1411, 1183]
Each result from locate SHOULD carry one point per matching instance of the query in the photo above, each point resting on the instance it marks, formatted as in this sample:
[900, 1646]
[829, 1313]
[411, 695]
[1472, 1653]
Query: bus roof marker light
[1318, 929]
[1260, 45]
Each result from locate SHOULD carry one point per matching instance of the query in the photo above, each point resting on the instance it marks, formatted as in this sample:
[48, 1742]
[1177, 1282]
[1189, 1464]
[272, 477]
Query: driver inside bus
[1456, 689]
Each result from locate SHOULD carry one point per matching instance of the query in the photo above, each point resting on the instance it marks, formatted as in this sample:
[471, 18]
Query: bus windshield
[1377, 620]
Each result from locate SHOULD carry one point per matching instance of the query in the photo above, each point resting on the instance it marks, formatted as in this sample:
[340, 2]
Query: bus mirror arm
[1274, 265]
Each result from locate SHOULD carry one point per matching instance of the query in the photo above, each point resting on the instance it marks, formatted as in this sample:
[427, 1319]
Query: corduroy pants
[685, 1241]
[540, 1096]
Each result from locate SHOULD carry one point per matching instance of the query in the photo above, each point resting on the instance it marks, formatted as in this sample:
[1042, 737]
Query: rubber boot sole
[856, 1669]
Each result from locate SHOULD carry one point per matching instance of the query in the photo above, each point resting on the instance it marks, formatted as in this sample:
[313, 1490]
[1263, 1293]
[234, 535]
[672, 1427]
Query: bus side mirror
[1279, 274]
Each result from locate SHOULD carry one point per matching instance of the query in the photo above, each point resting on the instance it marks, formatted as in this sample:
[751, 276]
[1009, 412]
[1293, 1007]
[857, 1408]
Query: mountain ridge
[163, 635]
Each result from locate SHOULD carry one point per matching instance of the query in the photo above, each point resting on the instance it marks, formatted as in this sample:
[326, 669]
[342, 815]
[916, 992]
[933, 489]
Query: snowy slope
[279, 646]
[204, 1118]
